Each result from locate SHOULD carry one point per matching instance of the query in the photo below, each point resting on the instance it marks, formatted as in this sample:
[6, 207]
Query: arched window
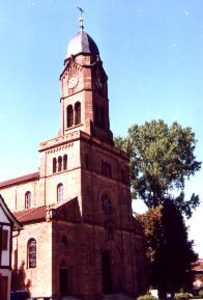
[59, 192]
[106, 168]
[27, 200]
[77, 113]
[99, 112]
[65, 162]
[69, 113]
[54, 165]
[64, 240]
[59, 164]
[32, 253]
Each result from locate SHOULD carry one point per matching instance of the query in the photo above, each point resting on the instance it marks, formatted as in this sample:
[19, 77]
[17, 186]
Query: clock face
[72, 82]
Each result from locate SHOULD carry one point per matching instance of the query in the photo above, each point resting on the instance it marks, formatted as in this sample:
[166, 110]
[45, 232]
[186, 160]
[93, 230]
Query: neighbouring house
[9, 227]
[197, 269]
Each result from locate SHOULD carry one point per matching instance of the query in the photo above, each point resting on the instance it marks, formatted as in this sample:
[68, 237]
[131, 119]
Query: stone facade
[79, 236]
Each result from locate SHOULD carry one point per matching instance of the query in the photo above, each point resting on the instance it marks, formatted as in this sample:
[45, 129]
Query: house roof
[32, 214]
[10, 216]
[48, 212]
[21, 179]
[197, 266]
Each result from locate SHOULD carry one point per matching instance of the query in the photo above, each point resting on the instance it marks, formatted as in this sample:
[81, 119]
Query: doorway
[64, 282]
[106, 273]
[3, 287]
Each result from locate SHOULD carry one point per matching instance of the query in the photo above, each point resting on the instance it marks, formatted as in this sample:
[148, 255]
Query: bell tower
[86, 242]
[84, 94]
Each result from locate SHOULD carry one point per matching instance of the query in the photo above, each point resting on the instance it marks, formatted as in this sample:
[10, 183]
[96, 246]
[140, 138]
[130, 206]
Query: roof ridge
[19, 179]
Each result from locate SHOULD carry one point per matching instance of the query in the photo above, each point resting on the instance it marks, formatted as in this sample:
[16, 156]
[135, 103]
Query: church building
[79, 236]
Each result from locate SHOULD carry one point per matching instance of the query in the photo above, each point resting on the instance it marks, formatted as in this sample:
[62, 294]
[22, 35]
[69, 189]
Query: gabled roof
[9, 215]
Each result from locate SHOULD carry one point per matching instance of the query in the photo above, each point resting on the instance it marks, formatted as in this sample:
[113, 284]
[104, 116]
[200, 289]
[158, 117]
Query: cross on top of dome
[81, 42]
[81, 18]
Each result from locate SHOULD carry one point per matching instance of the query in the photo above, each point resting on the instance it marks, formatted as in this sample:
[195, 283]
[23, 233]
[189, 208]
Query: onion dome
[82, 43]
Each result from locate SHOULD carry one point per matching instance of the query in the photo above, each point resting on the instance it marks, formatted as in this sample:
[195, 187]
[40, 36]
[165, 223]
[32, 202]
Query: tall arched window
[54, 165]
[65, 162]
[59, 164]
[99, 116]
[27, 200]
[32, 253]
[69, 112]
[59, 192]
[77, 113]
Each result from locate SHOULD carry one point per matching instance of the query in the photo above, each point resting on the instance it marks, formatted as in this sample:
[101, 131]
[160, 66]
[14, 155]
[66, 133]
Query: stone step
[70, 298]
[117, 297]
[106, 297]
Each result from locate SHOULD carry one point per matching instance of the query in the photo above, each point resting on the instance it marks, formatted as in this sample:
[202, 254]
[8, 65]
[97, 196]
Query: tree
[168, 249]
[161, 159]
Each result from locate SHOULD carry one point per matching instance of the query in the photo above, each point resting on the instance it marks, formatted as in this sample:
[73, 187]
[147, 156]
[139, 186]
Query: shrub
[147, 297]
[182, 296]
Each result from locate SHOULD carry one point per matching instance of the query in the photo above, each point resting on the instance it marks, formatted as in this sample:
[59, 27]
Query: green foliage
[200, 293]
[147, 297]
[168, 249]
[182, 296]
[161, 159]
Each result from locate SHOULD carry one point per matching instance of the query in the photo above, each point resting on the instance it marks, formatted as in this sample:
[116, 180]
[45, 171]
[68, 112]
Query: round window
[107, 205]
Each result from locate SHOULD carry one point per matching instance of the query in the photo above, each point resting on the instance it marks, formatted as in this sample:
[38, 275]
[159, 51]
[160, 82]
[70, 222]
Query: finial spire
[81, 18]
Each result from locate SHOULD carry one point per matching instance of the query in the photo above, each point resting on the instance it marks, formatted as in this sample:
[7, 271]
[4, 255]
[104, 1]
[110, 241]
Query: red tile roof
[198, 266]
[32, 214]
[18, 180]
[42, 212]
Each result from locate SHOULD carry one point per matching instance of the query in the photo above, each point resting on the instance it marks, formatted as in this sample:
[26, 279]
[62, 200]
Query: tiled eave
[19, 180]
[32, 214]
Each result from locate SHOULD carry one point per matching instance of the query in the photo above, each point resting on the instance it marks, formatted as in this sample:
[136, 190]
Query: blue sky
[152, 53]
